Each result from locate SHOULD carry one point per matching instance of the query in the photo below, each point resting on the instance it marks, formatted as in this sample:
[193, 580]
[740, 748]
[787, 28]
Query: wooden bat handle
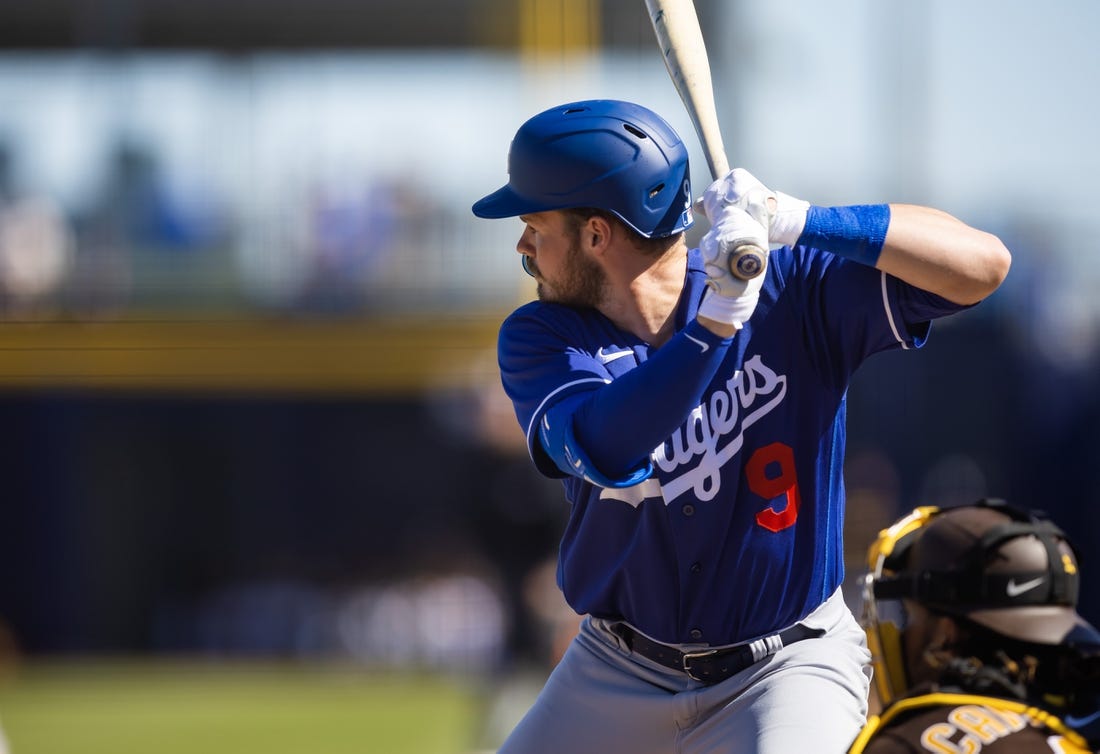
[747, 261]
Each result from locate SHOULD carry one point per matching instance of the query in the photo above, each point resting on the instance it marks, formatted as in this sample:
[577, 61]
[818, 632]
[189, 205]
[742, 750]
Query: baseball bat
[680, 38]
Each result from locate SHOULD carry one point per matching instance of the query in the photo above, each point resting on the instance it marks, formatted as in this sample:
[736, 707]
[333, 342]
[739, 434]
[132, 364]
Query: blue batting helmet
[607, 154]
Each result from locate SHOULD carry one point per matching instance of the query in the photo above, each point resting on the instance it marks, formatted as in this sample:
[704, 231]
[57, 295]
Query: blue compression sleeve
[617, 426]
[856, 232]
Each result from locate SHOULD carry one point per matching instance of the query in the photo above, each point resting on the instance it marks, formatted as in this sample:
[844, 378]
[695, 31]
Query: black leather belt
[712, 666]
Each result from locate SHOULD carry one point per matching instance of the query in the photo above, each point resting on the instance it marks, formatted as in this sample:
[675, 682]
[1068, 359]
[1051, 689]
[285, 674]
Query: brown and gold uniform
[949, 723]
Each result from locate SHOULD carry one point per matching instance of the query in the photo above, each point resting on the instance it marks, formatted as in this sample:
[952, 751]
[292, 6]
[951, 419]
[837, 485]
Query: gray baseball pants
[810, 696]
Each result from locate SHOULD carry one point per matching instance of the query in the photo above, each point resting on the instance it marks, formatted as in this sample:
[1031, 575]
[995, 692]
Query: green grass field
[132, 707]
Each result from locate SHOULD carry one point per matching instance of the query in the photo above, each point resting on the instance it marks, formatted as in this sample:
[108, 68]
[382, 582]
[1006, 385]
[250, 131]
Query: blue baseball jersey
[732, 528]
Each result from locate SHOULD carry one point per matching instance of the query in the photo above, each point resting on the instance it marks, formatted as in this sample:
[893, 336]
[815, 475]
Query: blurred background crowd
[248, 398]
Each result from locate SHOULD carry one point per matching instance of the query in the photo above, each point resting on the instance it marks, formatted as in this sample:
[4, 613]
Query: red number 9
[777, 458]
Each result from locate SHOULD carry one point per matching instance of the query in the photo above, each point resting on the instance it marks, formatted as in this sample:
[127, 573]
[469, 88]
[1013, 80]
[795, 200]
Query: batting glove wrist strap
[788, 220]
[731, 311]
[857, 232]
[731, 190]
[786, 215]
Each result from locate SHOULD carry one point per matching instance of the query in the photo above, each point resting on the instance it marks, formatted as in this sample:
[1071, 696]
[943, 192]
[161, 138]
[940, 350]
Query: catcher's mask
[1011, 571]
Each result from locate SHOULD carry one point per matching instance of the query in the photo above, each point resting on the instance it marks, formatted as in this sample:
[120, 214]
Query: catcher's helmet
[1011, 571]
[607, 154]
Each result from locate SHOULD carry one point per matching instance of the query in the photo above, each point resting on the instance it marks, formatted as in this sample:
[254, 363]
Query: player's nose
[525, 245]
[526, 249]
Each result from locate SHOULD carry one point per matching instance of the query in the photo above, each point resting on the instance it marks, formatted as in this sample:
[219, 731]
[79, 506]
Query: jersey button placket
[688, 509]
[696, 634]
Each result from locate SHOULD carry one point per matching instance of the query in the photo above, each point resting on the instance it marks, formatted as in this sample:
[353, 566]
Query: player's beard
[582, 281]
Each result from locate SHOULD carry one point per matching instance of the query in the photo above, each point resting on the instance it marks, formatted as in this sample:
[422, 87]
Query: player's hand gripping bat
[681, 40]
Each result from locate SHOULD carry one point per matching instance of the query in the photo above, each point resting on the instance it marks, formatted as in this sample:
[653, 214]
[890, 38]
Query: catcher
[970, 614]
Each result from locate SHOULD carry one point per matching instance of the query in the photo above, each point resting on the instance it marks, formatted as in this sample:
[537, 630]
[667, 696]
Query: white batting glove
[730, 299]
[787, 214]
[788, 219]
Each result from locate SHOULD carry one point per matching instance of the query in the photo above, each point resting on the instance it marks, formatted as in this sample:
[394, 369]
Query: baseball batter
[697, 423]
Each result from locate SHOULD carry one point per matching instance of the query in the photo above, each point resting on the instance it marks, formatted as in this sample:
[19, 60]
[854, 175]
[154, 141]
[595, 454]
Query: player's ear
[597, 233]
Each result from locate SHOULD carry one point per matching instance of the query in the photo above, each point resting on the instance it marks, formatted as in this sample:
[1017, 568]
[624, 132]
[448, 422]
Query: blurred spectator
[103, 275]
[557, 622]
[142, 242]
[514, 515]
[142, 211]
[450, 622]
[36, 246]
[350, 235]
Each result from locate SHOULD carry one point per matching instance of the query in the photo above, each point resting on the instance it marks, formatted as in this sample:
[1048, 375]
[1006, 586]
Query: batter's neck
[645, 304]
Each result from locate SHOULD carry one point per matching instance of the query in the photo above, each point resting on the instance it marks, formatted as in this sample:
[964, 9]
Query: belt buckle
[689, 656]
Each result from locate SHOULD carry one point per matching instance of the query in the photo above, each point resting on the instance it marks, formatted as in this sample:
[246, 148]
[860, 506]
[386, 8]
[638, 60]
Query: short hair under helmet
[611, 155]
[1011, 571]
